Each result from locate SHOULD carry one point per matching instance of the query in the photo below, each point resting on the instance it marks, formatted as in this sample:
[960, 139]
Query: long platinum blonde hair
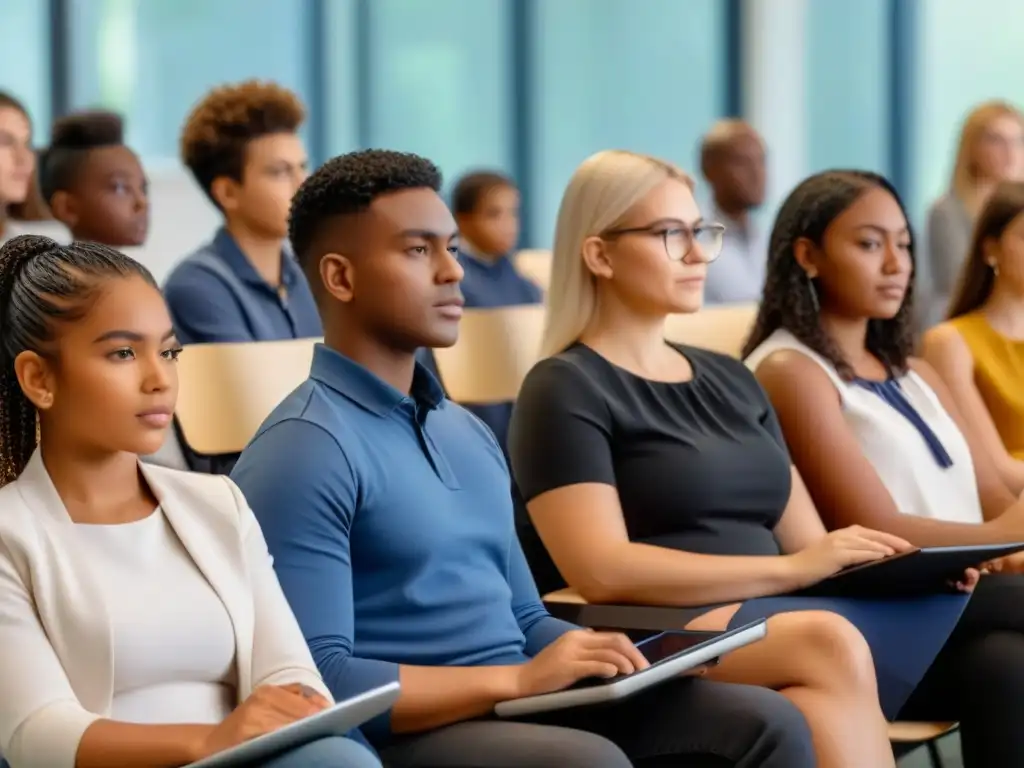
[601, 192]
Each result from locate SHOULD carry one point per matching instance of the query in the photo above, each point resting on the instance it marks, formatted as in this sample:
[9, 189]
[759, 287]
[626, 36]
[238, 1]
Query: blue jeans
[334, 752]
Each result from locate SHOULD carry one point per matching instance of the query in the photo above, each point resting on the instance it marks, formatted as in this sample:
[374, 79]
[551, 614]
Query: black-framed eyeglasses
[679, 241]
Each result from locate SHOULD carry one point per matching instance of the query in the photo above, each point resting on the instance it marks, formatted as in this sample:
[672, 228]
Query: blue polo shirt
[391, 526]
[216, 295]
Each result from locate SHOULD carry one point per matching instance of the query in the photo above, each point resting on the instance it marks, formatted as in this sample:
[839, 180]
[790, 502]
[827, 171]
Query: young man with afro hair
[241, 144]
[387, 510]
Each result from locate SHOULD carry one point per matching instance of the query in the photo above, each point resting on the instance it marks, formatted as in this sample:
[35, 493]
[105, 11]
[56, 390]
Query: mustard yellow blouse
[999, 376]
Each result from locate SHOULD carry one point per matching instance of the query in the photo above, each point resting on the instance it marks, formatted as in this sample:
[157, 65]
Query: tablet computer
[333, 721]
[670, 653]
[920, 571]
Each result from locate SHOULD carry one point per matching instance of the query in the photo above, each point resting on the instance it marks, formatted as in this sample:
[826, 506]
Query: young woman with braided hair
[880, 441]
[140, 618]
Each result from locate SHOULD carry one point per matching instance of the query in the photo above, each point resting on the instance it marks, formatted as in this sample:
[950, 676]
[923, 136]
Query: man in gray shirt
[732, 159]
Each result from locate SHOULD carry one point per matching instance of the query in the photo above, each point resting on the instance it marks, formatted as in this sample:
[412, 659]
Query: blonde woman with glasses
[656, 474]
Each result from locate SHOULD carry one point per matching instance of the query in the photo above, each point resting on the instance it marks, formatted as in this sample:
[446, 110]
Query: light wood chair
[536, 265]
[495, 351]
[721, 329]
[227, 390]
[905, 736]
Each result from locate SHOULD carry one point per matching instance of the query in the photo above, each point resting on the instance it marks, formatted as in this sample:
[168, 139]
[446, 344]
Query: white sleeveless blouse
[917, 482]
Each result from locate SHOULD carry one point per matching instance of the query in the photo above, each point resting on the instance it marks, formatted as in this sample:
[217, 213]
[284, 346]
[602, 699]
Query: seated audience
[241, 144]
[140, 618]
[990, 150]
[486, 208]
[93, 183]
[19, 196]
[387, 510]
[880, 440]
[732, 159]
[979, 350]
[656, 474]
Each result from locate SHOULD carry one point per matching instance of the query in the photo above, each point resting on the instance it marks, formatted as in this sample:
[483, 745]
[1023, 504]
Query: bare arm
[800, 525]
[436, 696]
[110, 744]
[948, 367]
[583, 529]
[848, 491]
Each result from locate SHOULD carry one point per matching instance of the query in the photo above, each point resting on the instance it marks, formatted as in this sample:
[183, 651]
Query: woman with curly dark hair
[878, 439]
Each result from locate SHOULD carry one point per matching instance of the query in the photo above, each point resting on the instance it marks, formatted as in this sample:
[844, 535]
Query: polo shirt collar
[356, 383]
[228, 249]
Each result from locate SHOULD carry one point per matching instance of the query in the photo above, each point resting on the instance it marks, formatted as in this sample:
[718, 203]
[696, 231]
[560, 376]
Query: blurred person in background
[732, 159]
[94, 184]
[990, 150]
[241, 142]
[19, 195]
[979, 350]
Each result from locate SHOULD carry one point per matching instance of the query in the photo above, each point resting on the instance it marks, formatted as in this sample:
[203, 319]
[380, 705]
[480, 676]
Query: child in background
[93, 183]
[486, 208]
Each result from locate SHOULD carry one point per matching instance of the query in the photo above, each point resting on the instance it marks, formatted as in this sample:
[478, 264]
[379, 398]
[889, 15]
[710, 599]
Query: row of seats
[221, 404]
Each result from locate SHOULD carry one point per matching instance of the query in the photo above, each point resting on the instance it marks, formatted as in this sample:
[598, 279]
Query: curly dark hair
[348, 184]
[787, 301]
[220, 127]
[71, 139]
[470, 189]
[42, 281]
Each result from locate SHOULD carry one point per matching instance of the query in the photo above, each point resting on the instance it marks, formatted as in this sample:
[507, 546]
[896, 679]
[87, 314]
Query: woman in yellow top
[979, 349]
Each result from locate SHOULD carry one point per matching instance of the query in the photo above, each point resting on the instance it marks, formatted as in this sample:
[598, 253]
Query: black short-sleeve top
[699, 466]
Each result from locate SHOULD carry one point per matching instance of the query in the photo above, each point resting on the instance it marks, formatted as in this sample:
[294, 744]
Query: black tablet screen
[667, 644]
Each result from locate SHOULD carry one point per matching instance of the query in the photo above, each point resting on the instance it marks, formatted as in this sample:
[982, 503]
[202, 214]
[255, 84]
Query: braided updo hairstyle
[42, 282]
[788, 301]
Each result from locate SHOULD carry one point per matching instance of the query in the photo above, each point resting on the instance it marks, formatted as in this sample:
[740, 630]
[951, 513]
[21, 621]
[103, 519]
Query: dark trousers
[978, 677]
[687, 723]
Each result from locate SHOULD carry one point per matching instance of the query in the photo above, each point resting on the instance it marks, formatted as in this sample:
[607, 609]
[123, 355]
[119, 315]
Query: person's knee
[581, 749]
[332, 752]
[837, 651]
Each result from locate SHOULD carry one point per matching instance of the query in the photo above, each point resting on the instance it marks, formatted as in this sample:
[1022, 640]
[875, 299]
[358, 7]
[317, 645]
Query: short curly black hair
[348, 184]
[470, 189]
[220, 127]
[787, 301]
[72, 137]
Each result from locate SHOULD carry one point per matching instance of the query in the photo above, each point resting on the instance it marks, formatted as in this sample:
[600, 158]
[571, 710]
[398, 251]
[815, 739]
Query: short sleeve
[560, 433]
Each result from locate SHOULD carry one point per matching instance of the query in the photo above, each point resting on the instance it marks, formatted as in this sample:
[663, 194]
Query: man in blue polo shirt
[387, 510]
[241, 144]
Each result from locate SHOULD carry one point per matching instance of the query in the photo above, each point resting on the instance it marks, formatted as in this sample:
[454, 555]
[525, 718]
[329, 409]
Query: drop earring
[995, 267]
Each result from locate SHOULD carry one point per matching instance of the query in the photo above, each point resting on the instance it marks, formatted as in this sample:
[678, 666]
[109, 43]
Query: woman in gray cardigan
[991, 149]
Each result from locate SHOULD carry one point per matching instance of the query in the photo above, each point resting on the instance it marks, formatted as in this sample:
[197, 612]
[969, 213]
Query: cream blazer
[56, 656]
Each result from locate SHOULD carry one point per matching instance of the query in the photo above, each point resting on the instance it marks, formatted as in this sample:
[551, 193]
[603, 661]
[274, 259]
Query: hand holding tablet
[576, 655]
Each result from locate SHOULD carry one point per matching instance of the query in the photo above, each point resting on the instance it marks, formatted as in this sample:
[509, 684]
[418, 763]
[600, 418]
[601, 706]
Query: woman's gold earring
[995, 267]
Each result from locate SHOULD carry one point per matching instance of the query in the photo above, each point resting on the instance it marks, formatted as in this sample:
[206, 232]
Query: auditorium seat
[720, 328]
[496, 349]
[227, 390]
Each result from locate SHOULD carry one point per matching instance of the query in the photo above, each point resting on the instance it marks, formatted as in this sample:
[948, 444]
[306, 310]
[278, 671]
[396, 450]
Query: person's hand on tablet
[1009, 564]
[268, 708]
[577, 655]
[842, 549]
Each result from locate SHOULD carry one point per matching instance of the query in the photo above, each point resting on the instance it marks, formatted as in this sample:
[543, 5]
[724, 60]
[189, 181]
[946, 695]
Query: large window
[645, 76]
[439, 81]
[24, 58]
[848, 69]
[968, 52]
[153, 59]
